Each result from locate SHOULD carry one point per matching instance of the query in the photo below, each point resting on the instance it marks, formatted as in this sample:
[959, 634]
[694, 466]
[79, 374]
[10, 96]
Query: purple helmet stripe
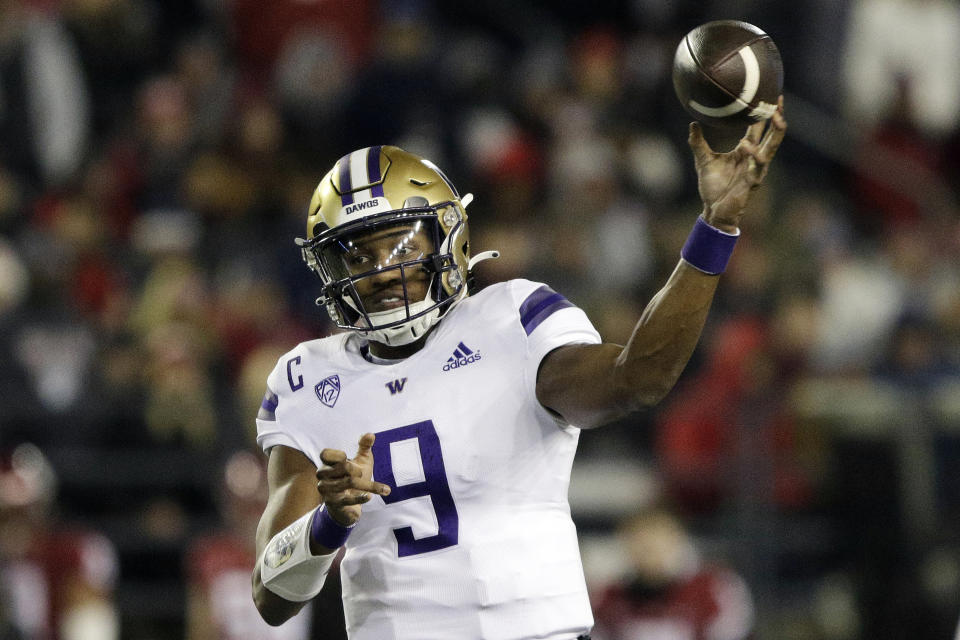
[373, 171]
[540, 305]
[346, 185]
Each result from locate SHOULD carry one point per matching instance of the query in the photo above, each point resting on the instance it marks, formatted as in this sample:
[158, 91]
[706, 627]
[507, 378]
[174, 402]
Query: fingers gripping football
[345, 484]
[725, 180]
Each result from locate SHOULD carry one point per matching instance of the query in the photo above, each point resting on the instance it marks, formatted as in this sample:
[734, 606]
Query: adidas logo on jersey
[462, 356]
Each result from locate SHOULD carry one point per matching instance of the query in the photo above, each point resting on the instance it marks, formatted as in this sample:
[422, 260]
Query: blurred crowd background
[156, 160]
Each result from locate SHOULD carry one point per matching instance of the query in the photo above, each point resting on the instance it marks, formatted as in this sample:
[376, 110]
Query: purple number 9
[434, 485]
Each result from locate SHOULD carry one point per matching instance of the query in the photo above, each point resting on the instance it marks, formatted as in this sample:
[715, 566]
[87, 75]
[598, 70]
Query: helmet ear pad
[456, 243]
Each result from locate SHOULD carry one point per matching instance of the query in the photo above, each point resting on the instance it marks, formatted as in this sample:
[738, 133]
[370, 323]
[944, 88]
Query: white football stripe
[751, 82]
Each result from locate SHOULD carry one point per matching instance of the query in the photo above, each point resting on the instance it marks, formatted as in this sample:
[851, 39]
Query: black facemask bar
[339, 290]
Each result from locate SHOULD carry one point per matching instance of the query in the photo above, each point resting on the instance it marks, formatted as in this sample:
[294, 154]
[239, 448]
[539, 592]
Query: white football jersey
[475, 540]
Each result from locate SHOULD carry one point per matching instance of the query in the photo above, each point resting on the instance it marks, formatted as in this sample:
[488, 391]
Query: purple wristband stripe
[326, 531]
[708, 249]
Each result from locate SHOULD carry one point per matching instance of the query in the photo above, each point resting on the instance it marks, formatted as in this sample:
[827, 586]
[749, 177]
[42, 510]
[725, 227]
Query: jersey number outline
[434, 485]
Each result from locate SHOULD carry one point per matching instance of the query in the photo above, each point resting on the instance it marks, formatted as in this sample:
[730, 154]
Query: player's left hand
[725, 180]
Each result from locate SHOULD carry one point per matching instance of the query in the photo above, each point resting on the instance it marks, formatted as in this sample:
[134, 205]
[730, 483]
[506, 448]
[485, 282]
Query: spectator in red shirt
[56, 582]
[669, 591]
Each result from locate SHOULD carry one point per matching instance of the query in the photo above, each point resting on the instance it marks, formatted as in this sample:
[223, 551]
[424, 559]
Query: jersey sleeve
[270, 430]
[548, 321]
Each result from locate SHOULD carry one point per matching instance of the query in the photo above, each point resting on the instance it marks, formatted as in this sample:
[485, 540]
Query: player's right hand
[725, 180]
[346, 484]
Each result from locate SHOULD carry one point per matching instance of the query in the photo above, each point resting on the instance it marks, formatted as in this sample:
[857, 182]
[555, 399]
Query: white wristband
[287, 567]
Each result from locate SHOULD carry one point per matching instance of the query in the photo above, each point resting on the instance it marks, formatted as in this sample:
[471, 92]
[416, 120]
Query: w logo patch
[396, 386]
[328, 390]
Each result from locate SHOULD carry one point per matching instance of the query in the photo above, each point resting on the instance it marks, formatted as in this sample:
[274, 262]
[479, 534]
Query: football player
[434, 438]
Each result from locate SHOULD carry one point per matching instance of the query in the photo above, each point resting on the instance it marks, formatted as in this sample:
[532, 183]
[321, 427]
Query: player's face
[383, 248]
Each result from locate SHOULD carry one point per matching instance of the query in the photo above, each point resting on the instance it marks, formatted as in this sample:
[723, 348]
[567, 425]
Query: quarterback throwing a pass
[434, 439]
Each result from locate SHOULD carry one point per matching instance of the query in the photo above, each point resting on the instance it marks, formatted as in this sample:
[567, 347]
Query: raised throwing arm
[590, 385]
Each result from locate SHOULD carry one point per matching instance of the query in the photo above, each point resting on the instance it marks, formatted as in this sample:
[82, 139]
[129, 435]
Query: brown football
[728, 73]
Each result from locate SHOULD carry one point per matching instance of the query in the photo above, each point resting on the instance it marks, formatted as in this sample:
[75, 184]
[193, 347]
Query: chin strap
[480, 257]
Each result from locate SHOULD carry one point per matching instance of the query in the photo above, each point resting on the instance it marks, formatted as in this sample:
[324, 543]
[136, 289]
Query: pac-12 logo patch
[328, 390]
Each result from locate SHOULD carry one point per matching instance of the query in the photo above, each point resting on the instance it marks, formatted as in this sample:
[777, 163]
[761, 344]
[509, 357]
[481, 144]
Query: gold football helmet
[387, 193]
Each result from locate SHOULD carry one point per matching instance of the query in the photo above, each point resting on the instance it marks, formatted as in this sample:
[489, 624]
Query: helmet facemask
[391, 276]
